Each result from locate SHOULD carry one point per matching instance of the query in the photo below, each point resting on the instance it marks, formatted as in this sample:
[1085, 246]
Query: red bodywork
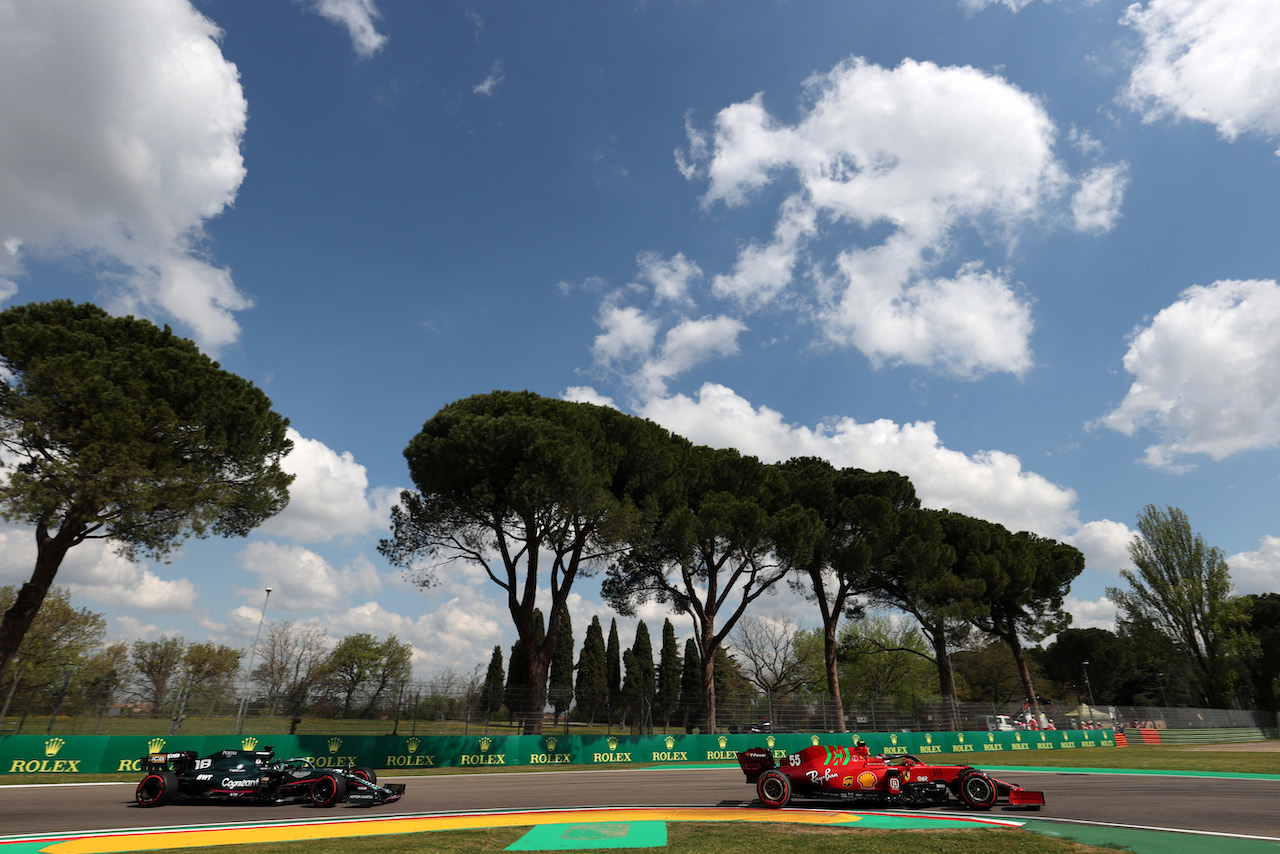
[852, 774]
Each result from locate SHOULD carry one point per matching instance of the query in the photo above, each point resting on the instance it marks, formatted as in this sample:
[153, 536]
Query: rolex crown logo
[991, 736]
[485, 741]
[928, 738]
[669, 741]
[723, 740]
[1017, 736]
[768, 740]
[551, 744]
[334, 744]
[412, 744]
[814, 740]
[613, 743]
[1042, 736]
[960, 737]
[249, 743]
[893, 738]
[155, 745]
[53, 745]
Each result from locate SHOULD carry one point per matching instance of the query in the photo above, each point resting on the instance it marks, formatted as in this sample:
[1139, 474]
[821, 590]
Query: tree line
[113, 428]
[541, 492]
[64, 666]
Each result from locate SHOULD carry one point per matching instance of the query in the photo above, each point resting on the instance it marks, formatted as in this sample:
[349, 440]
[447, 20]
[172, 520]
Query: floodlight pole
[244, 699]
[1092, 704]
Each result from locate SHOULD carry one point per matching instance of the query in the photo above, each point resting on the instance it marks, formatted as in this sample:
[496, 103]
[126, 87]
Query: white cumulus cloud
[917, 152]
[303, 581]
[1214, 61]
[330, 496]
[989, 485]
[1206, 374]
[120, 137]
[1257, 571]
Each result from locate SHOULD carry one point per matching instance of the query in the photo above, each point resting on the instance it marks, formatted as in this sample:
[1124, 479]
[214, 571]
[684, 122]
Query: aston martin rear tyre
[156, 789]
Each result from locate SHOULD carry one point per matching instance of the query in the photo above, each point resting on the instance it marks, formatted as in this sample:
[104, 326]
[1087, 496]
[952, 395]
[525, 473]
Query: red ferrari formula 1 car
[851, 774]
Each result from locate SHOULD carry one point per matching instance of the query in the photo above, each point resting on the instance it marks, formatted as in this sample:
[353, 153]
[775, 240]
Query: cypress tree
[514, 693]
[560, 692]
[690, 706]
[645, 679]
[630, 695]
[492, 692]
[667, 690]
[593, 687]
[613, 672]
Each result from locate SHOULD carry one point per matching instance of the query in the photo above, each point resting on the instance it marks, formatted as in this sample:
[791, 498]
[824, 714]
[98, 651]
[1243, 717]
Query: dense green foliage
[591, 692]
[117, 429]
[510, 481]
[1180, 588]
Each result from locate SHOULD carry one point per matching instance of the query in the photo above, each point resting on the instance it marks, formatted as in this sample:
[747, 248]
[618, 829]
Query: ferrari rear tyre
[774, 789]
[327, 790]
[976, 790]
[156, 789]
[366, 774]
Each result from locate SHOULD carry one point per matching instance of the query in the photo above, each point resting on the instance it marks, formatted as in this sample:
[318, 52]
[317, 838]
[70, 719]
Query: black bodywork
[256, 776]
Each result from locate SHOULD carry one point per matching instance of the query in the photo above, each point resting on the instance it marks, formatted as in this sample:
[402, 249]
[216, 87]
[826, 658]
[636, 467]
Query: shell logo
[867, 780]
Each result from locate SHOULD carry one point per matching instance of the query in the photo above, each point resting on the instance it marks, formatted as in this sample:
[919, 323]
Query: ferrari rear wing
[755, 762]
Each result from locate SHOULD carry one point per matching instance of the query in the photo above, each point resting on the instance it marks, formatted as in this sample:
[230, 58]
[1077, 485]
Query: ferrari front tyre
[156, 789]
[976, 790]
[327, 790]
[367, 774]
[774, 789]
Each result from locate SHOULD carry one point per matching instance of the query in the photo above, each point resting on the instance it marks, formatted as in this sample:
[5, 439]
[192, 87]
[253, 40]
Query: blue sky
[1022, 252]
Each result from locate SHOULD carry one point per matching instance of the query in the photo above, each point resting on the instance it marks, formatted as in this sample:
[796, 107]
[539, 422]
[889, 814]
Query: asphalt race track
[1220, 805]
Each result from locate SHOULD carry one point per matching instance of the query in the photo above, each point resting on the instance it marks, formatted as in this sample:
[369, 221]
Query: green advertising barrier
[118, 754]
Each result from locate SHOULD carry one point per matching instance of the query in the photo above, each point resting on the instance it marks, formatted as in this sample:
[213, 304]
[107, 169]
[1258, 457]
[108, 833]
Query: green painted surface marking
[1152, 841]
[605, 834]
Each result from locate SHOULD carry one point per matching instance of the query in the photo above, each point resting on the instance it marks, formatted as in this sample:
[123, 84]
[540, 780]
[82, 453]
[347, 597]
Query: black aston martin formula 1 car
[256, 776]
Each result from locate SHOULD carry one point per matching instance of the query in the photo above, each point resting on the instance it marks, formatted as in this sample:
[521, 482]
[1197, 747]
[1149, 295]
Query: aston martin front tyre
[327, 790]
[976, 790]
[367, 774]
[774, 789]
[156, 789]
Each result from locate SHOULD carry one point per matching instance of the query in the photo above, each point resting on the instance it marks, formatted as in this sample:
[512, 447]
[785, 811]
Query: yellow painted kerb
[200, 837]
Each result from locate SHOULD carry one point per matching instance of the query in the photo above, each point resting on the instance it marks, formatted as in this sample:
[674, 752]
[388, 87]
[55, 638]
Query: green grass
[699, 838]
[1137, 758]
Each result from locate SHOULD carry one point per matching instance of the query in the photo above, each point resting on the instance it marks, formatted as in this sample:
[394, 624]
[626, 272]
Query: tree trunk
[946, 678]
[833, 674]
[18, 619]
[1024, 672]
[709, 693]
